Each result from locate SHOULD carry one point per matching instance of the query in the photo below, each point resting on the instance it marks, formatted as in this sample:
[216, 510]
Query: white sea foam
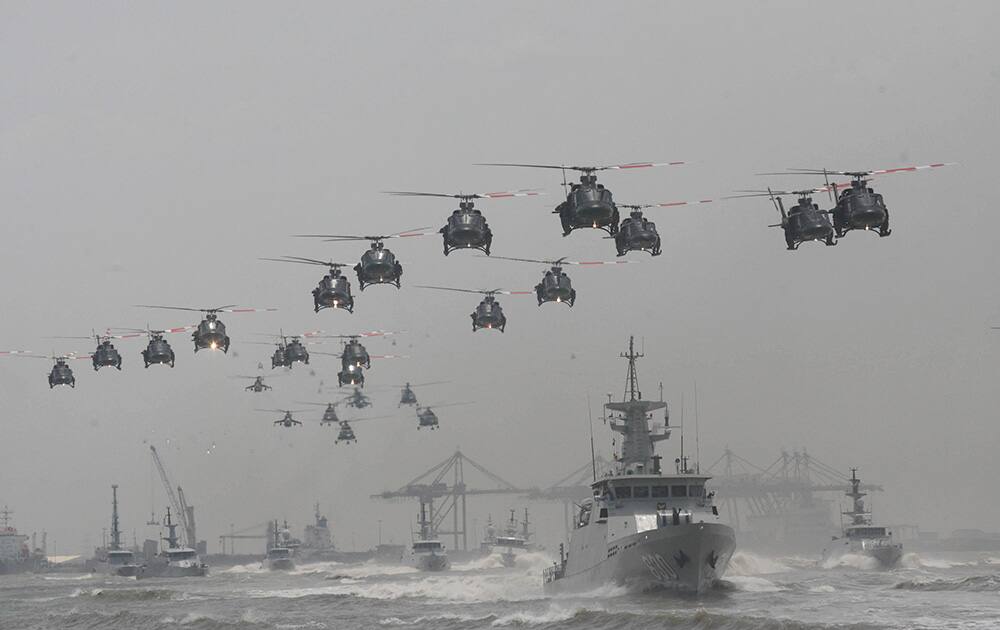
[752, 584]
[913, 560]
[850, 560]
[442, 586]
[554, 614]
[822, 588]
[746, 563]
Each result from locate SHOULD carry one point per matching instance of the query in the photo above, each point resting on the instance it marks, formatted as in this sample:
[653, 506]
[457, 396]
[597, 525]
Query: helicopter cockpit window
[584, 518]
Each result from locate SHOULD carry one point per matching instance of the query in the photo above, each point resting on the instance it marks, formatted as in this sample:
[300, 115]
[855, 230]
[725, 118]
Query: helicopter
[61, 373]
[258, 384]
[489, 313]
[467, 228]
[803, 221]
[290, 349]
[427, 418]
[287, 421]
[378, 265]
[555, 285]
[333, 291]
[408, 397]
[329, 415]
[358, 399]
[354, 352]
[588, 204]
[210, 333]
[158, 350]
[346, 432]
[637, 233]
[105, 355]
[858, 207]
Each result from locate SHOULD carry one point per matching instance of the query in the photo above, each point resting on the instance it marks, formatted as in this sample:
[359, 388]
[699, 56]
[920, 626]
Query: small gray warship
[514, 539]
[427, 552]
[117, 559]
[864, 538]
[644, 528]
[279, 553]
[174, 561]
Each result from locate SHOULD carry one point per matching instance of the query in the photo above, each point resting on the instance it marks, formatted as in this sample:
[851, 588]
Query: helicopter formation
[426, 416]
[587, 205]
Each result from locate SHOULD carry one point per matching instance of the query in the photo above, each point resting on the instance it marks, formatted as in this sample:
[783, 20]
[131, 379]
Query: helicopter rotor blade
[432, 407]
[564, 167]
[523, 192]
[425, 286]
[388, 356]
[591, 263]
[233, 309]
[884, 171]
[306, 261]
[422, 384]
[11, 353]
[631, 165]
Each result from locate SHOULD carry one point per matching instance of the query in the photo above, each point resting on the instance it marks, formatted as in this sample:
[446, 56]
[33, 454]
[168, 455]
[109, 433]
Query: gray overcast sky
[151, 152]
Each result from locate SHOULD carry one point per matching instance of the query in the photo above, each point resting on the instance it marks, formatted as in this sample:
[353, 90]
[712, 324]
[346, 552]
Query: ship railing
[553, 573]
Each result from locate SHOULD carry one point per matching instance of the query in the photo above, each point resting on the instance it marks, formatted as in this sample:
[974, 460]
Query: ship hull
[887, 557]
[689, 558]
[431, 562]
[171, 571]
[282, 564]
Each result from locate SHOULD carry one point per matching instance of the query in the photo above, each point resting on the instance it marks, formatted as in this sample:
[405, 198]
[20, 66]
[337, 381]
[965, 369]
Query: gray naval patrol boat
[118, 560]
[174, 561]
[427, 552]
[861, 536]
[643, 528]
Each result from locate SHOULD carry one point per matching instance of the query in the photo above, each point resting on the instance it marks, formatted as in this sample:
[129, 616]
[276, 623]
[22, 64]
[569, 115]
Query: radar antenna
[632, 380]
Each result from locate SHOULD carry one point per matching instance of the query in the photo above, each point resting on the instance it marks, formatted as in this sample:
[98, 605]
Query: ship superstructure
[14, 554]
[644, 527]
[862, 536]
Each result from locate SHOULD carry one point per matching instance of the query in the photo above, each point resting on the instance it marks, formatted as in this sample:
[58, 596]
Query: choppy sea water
[790, 593]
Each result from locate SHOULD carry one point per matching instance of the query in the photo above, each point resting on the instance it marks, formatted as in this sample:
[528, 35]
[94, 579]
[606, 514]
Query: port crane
[184, 511]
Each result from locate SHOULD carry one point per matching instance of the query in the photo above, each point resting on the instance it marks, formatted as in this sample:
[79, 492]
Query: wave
[128, 595]
[913, 560]
[751, 584]
[746, 563]
[971, 584]
[850, 560]
[127, 620]
[556, 616]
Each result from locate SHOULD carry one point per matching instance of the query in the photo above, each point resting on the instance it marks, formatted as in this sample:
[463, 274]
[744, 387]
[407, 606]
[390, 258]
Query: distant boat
[174, 561]
[862, 537]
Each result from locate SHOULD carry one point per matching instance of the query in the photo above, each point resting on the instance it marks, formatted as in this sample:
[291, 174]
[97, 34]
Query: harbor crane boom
[184, 512]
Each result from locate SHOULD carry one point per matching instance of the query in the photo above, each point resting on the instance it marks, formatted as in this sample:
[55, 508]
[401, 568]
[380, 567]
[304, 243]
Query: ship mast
[637, 454]
[857, 513]
[116, 535]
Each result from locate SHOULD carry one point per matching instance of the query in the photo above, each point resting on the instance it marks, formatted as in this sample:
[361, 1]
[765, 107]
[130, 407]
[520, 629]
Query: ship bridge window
[679, 491]
[660, 492]
[696, 491]
[623, 492]
[640, 492]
